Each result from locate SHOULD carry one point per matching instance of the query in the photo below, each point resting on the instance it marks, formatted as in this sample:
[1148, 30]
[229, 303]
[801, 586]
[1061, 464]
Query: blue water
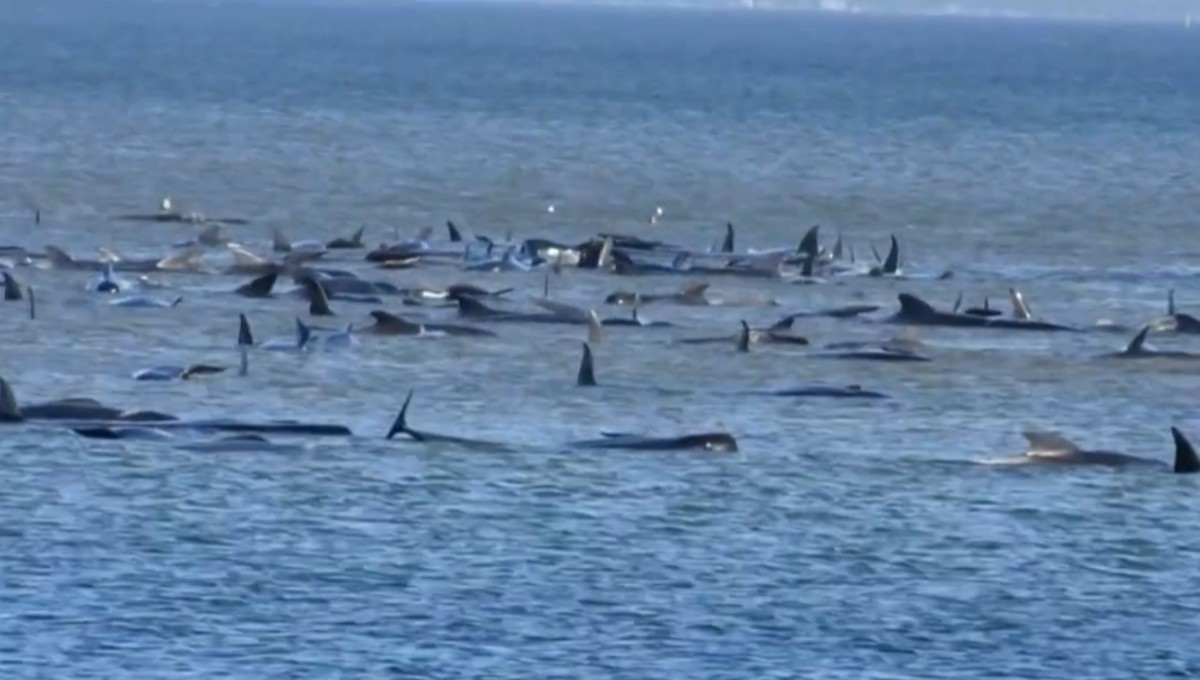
[842, 541]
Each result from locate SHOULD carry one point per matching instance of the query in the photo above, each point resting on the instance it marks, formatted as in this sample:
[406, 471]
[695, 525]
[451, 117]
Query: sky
[1153, 10]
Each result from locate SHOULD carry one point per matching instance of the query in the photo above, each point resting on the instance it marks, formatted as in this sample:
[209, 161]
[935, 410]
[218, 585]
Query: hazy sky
[1163, 10]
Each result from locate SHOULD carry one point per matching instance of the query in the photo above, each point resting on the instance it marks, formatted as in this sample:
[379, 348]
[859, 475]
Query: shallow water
[843, 540]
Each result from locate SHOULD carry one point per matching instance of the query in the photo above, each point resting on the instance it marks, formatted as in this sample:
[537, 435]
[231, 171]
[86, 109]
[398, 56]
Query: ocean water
[843, 540]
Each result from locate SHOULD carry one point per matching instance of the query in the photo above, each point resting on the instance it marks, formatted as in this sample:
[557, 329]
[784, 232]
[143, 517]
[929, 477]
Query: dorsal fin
[743, 341]
[176, 301]
[892, 264]
[810, 244]
[455, 235]
[357, 237]
[1047, 443]
[10, 411]
[1135, 346]
[245, 337]
[595, 328]
[1186, 460]
[303, 333]
[400, 424]
[851, 249]
[59, 257]
[1171, 302]
[636, 316]
[389, 320]
[279, 242]
[469, 306]
[210, 235]
[837, 247]
[987, 303]
[587, 368]
[317, 298]
[12, 289]
[258, 287]
[727, 245]
[694, 291]
[784, 324]
[957, 302]
[913, 305]
[1020, 310]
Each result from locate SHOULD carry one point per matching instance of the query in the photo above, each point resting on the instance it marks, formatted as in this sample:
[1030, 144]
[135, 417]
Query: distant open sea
[843, 541]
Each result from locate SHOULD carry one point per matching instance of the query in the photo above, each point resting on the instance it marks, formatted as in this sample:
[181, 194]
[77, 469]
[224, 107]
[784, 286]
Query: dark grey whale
[916, 312]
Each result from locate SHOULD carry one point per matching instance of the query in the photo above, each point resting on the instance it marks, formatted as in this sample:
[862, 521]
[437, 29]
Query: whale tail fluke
[1186, 460]
[587, 368]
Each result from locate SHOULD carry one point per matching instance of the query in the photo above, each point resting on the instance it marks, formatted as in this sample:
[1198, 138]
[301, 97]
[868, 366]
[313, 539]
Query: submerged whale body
[1052, 449]
[917, 312]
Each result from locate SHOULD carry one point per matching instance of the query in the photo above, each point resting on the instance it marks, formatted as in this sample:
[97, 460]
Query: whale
[230, 444]
[721, 442]
[188, 260]
[846, 312]
[143, 302]
[716, 441]
[168, 213]
[281, 244]
[353, 242]
[341, 340]
[70, 409]
[471, 308]
[1137, 349]
[916, 312]
[169, 373]
[586, 377]
[387, 323]
[400, 426]
[635, 319]
[778, 333]
[1051, 449]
